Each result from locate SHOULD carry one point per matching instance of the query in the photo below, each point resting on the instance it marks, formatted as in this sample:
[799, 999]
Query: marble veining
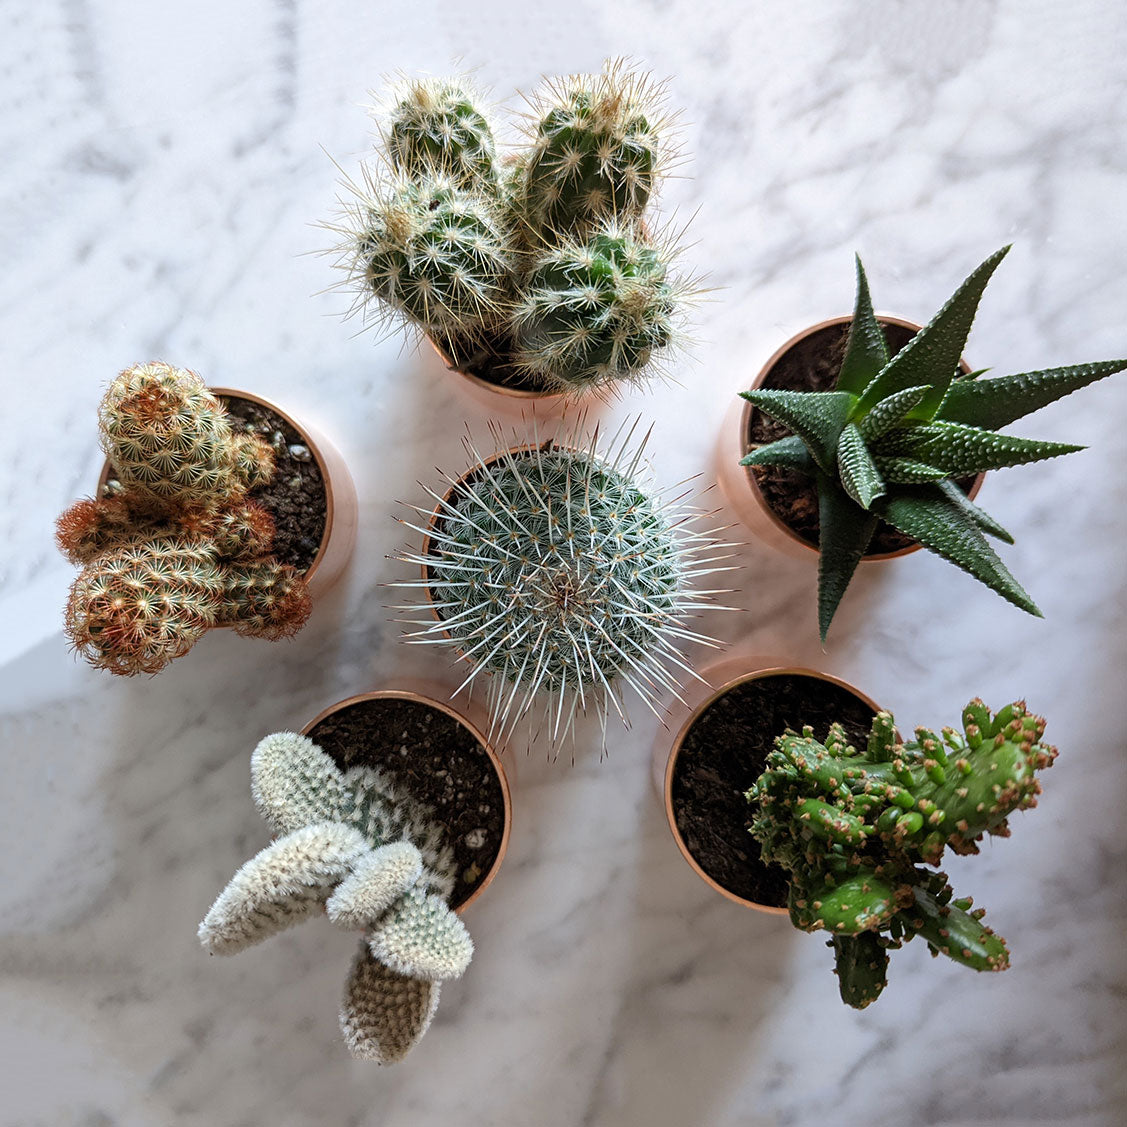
[164, 170]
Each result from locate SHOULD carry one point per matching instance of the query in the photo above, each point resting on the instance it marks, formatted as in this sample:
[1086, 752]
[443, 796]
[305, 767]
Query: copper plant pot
[721, 678]
[738, 483]
[425, 695]
[341, 511]
[494, 397]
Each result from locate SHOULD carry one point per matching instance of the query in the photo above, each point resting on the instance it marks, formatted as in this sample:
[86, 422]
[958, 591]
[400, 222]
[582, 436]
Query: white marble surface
[163, 165]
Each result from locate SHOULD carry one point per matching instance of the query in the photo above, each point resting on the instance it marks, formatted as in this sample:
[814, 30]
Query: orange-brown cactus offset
[177, 548]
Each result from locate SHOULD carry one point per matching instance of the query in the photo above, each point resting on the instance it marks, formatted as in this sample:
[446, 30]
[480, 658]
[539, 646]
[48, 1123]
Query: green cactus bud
[436, 127]
[861, 964]
[592, 313]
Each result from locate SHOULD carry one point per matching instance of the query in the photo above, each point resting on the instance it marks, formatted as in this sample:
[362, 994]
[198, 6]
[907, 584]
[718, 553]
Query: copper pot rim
[675, 751]
[745, 424]
[522, 394]
[314, 449]
[449, 710]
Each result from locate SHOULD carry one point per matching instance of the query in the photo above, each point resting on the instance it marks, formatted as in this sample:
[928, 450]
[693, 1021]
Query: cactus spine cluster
[178, 547]
[552, 569]
[542, 273]
[885, 444]
[356, 847]
[854, 829]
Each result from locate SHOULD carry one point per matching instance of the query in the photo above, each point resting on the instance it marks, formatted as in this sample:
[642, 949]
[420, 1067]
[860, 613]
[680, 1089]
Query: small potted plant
[860, 833]
[534, 277]
[876, 447]
[391, 814]
[210, 512]
[723, 742]
[551, 568]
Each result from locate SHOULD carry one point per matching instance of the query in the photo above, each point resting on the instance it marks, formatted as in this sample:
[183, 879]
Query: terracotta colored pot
[341, 512]
[738, 483]
[721, 678]
[424, 694]
[496, 397]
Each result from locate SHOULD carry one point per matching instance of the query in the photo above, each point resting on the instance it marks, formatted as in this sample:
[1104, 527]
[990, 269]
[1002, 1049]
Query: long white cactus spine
[552, 569]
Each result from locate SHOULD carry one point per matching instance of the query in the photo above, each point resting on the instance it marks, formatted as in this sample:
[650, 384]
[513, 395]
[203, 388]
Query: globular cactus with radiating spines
[177, 547]
[597, 311]
[597, 149]
[170, 442]
[437, 126]
[855, 828]
[554, 571]
[375, 860]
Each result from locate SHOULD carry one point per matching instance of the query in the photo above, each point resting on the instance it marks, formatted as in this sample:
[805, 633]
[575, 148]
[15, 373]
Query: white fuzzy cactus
[372, 859]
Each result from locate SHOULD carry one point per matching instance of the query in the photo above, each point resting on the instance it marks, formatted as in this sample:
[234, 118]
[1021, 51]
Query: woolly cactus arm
[866, 350]
[861, 966]
[294, 783]
[265, 599]
[932, 355]
[384, 1014]
[377, 880]
[995, 403]
[420, 936]
[281, 886]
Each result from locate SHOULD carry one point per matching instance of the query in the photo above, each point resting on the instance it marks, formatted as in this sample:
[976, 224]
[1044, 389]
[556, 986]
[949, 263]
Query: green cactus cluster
[552, 569]
[539, 272]
[855, 829]
[176, 547]
[888, 441]
[352, 845]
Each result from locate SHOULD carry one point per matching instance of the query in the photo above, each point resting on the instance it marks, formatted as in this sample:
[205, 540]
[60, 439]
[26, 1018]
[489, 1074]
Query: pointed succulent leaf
[817, 417]
[861, 968]
[907, 471]
[846, 530]
[788, 453]
[281, 886]
[958, 934]
[993, 404]
[980, 517]
[888, 412]
[926, 514]
[294, 783]
[858, 474]
[866, 351]
[932, 356]
[384, 1014]
[377, 880]
[960, 449]
[422, 937]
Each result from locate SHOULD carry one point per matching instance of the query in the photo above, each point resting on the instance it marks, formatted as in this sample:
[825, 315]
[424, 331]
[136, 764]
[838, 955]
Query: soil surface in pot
[436, 759]
[491, 361]
[295, 496]
[813, 365]
[723, 754]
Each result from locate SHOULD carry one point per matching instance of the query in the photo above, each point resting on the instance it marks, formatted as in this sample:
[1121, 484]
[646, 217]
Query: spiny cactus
[595, 312]
[551, 568]
[542, 276]
[886, 442]
[374, 859]
[436, 126]
[438, 254]
[854, 828]
[178, 548]
[596, 151]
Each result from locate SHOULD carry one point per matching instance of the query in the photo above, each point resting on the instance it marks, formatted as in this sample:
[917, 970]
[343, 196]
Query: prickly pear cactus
[436, 126]
[596, 312]
[371, 858]
[854, 829]
[595, 154]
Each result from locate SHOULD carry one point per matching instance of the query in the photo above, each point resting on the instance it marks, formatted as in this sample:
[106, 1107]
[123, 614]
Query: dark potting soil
[813, 365]
[724, 753]
[490, 360]
[439, 762]
[295, 496]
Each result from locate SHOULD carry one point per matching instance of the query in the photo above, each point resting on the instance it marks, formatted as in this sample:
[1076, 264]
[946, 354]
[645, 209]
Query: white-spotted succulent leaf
[369, 856]
[554, 570]
[855, 830]
[886, 443]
